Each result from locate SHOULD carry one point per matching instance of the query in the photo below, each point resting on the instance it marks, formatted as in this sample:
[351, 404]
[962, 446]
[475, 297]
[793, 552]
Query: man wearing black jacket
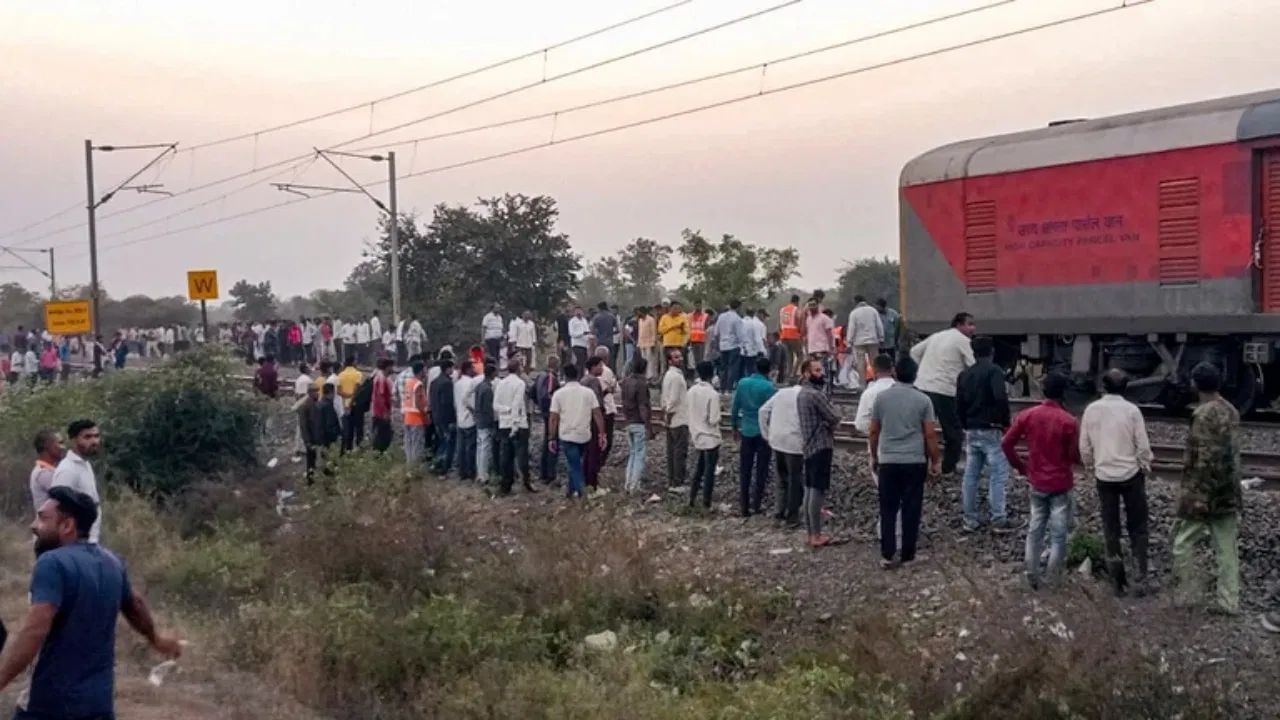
[540, 392]
[983, 406]
[444, 417]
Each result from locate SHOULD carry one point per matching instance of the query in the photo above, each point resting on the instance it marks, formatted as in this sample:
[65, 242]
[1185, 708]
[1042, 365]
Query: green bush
[227, 566]
[1085, 546]
[187, 420]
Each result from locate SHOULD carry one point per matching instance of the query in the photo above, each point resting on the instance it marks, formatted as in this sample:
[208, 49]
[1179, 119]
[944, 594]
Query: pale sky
[815, 168]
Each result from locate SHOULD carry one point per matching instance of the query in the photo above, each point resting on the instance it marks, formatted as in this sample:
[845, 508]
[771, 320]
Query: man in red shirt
[380, 405]
[1053, 446]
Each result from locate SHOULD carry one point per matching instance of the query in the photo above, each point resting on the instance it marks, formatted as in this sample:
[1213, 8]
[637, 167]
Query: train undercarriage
[1159, 366]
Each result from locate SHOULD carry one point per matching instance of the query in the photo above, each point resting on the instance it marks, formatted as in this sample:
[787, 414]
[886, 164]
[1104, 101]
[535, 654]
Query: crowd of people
[919, 410]
[473, 412]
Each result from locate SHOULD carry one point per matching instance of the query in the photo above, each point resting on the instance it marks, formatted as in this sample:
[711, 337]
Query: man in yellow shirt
[673, 328]
[352, 422]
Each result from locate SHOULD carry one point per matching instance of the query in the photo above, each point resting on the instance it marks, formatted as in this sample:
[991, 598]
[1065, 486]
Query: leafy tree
[253, 301]
[19, 306]
[631, 278]
[873, 278]
[504, 249]
[732, 269]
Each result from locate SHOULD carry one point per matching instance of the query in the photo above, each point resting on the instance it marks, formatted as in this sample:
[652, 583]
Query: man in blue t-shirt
[77, 590]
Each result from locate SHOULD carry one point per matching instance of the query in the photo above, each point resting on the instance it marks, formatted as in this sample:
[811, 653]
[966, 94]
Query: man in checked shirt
[818, 423]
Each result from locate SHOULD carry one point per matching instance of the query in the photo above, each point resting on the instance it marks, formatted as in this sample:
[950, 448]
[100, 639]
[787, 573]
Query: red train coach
[1148, 242]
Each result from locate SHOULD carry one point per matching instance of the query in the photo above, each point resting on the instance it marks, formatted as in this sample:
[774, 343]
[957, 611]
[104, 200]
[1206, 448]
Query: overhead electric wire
[1127, 4]
[599, 103]
[690, 82]
[443, 81]
[449, 111]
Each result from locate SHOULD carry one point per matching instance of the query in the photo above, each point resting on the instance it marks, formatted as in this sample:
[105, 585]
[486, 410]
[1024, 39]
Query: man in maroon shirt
[380, 405]
[1053, 446]
[267, 377]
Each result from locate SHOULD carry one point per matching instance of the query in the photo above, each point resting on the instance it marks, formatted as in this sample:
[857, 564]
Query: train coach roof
[1230, 119]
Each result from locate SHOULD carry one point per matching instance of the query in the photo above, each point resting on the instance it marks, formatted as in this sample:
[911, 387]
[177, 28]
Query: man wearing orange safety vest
[698, 334]
[413, 406]
[789, 333]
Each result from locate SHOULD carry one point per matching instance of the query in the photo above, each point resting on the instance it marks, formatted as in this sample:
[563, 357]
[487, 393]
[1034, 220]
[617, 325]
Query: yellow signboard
[68, 317]
[202, 284]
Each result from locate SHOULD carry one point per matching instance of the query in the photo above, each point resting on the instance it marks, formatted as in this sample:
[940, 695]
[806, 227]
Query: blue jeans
[637, 450]
[728, 369]
[573, 456]
[983, 448]
[1051, 512]
[484, 453]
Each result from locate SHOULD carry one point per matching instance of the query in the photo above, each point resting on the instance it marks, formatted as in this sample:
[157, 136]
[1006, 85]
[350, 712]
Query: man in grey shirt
[904, 450]
[604, 325]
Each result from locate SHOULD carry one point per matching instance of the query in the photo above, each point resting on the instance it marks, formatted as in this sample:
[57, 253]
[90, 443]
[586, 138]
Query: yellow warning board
[202, 284]
[68, 317]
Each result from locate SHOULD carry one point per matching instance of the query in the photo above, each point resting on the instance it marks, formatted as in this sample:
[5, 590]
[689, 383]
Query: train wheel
[1246, 391]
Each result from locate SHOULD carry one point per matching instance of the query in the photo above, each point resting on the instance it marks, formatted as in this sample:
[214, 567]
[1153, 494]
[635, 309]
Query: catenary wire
[1128, 4]
[475, 103]
[599, 103]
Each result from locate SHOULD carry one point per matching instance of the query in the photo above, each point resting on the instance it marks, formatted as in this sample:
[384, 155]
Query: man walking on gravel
[780, 426]
[1210, 500]
[78, 590]
[704, 432]
[544, 387]
[675, 410]
[983, 405]
[753, 449]
[638, 414]
[1053, 446]
[818, 423]
[76, 472]
[865, 335]
[1114, 449]
[380, 405]
[509, 403]
[575, 410]
[941, 358]
[904, 452]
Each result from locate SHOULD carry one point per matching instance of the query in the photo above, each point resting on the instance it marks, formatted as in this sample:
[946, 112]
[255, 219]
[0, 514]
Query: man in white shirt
[414, 336]
[780, 426]
[1114, 449]
[704, 431]
[464, 404]
[491, 329]
[379, 341]
[300, 387]
[942, 357]
[169, 340]
[610, 389]
[579, 338]
[883, 367]
[348, 335]
[510, 405]
[523, 334]
[750, 343]
[76, 472]
[865, 334]
[675, 410]
[574, 409]
[364, 336]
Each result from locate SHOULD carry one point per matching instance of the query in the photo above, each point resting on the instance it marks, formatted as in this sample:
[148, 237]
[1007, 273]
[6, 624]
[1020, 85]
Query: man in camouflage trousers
[1210, 499]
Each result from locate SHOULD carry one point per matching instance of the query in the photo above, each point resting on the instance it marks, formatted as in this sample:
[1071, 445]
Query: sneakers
[888, 564]
[1271, 622]
[1006, 526]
